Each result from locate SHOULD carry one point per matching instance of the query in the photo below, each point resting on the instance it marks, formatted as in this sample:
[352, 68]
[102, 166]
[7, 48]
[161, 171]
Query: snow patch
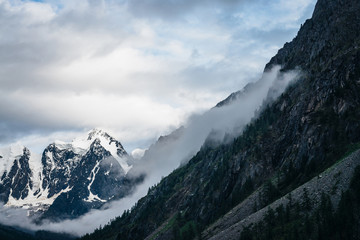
[92, 197]
[112, 148]
[36, 170]
[50, 158]
[9, 155]
[34, 201]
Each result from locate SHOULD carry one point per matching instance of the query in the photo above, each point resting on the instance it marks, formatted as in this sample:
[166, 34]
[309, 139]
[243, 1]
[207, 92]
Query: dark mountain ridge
[11, 233]
[307, 129]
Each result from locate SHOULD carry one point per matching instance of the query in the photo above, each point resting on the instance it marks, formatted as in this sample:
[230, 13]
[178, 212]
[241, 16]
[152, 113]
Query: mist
[226, 120]
[175, 149]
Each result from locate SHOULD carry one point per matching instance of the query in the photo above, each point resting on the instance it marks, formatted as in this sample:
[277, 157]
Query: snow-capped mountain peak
[82, 144]
[86, 172]
[98, 133]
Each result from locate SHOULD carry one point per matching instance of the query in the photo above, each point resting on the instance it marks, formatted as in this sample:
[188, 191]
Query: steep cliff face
[331, 33]
[322, 111]
[310, 126]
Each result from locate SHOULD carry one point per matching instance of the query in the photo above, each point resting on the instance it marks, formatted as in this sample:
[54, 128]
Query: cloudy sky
[137, 68]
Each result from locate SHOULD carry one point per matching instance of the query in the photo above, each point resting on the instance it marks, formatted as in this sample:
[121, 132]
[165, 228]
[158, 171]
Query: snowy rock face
[68, 179]
[16, 176]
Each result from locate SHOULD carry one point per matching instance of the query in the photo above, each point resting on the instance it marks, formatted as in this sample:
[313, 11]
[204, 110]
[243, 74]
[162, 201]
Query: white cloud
[74, 65]
[136, 68]
[138, 153]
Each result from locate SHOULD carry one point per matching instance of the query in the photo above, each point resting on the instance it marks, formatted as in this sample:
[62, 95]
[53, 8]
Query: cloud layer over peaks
[138, 68]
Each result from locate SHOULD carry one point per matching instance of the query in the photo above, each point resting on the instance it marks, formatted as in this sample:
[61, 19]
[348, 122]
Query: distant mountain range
[68, 179]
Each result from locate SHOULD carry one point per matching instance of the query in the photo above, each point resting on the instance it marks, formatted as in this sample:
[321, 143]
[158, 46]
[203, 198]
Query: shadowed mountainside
[306, 130]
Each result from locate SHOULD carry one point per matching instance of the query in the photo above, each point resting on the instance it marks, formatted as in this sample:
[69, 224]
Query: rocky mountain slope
[303, 132]
[333, 182]
[68, 179]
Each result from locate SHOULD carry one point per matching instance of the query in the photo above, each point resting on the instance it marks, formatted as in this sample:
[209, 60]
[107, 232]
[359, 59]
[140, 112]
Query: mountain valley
[289, 170]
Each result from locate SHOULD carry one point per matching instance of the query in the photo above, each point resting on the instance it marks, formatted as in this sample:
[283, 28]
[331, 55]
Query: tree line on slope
[298, 221]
